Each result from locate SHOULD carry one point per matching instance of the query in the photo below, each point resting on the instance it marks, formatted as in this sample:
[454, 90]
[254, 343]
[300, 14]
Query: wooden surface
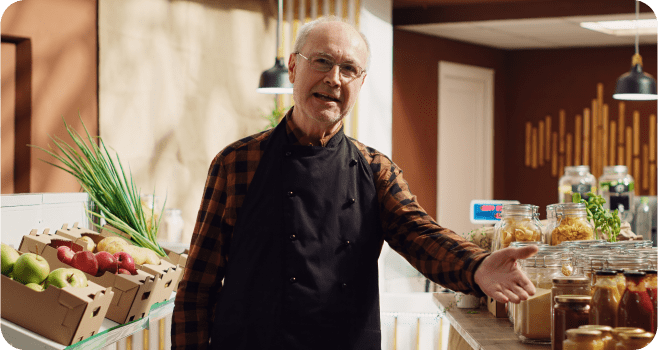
[482, 330]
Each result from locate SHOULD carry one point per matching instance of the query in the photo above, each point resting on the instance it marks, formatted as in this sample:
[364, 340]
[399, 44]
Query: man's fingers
[520, 292]
[525, 252]
[511, 296]
[499, 297]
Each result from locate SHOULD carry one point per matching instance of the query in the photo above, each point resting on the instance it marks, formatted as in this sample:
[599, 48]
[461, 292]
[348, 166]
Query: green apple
[31, 268]
[9, 257]
[35, 286]
[65, 277]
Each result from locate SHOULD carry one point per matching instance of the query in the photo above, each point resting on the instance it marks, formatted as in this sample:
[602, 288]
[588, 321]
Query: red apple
[65, 254]
[126, 262]
[106, 262]
[125, 272]
[85, 261]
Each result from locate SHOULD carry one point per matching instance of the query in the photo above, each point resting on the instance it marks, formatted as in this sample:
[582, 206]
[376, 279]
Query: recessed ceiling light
[623, 28]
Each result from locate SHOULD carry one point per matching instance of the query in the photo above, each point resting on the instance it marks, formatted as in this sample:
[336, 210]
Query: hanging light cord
[637, 25]
[279, 19]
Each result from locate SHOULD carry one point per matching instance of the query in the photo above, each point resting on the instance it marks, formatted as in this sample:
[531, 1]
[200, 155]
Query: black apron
[302, 266]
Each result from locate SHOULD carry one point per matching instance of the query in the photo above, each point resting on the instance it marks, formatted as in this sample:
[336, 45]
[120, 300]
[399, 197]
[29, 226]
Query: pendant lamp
[636, 85]
[275, 80]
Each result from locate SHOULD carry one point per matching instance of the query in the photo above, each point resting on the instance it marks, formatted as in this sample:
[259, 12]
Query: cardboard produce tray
[64, 315]
[133, 294]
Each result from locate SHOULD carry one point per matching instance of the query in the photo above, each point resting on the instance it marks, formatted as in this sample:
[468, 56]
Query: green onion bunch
[605, 220]
[110, 189]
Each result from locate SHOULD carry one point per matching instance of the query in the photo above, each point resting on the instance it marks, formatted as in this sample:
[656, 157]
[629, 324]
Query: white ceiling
[535, 33]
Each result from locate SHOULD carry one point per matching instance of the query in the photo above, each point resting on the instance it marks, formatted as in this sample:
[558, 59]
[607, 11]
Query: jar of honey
[634, 341]
[605, 299]
[583, 339]
[569, 311]
[606, 335]
[636, 308]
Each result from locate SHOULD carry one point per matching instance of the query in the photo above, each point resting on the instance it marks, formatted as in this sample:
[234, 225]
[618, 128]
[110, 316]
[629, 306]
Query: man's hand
[501, 278]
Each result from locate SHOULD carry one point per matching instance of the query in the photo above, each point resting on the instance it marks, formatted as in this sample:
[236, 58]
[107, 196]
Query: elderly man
[292, 221]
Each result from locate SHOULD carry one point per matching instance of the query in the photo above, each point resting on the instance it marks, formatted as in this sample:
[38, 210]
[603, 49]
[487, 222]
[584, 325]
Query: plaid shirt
[437, 252]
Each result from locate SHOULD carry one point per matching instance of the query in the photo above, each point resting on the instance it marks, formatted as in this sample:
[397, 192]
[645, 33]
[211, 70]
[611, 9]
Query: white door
[465, 142]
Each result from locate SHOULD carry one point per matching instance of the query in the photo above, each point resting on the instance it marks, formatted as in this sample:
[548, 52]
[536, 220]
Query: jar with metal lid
[605, 299]
[651, 281]
[569, 286]
[583, 339]
[619, 330]
[617, 187]
[606, 335]
[623, 263]
[576, 179]
[634, 341]
[532, 317]
[518, 223]
[571, 224]
[569, 311]
[635, 308]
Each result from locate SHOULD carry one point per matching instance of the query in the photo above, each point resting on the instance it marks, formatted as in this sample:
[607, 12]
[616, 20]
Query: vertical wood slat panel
[636, 174]
[554, 165]
[629, 149]
[622, 130]
[586, 137]
[652, 138]
[604, 133]
[599, 130]
[569, 151]
[561, 129]
[540, 143]
[578, 135]
[613, 142]
[645, 166]
[636, 133]
[594, 142]
[548, 137]
[534, 148]
[528, 134]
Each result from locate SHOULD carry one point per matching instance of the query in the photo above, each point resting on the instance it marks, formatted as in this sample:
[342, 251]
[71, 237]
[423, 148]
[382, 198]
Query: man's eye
[322, 61]
[348, 68]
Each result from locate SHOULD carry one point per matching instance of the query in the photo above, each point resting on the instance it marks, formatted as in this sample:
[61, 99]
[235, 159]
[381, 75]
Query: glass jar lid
[583, 333]
[598, 327]
[606, 272]
[518, 209]
[634, 273]
[636, 335]
[571, 280]
[615, 169]
[519, 244]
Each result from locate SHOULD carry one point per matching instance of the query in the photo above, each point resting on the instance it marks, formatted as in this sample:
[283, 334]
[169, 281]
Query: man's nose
[332, 77]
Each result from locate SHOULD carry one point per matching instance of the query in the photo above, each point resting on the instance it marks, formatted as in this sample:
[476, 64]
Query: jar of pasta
[571, 224]
[569, 311]
[583, 339]
[576, 179]
[518, 223]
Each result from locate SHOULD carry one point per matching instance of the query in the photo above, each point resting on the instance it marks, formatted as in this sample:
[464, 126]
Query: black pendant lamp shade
[275, 80]
[635, 85]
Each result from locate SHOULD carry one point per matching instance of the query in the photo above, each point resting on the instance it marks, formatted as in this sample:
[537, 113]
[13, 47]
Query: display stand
[109, 333]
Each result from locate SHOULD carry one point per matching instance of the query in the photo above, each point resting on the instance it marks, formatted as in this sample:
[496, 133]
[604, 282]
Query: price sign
[487, 211]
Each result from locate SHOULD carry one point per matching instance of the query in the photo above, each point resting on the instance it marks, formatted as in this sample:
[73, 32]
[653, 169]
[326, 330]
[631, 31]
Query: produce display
[99, 263]
[33, 271]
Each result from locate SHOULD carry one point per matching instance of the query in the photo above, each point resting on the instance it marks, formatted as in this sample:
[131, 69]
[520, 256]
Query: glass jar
[605, 299]
[518, 223]
[571, 224]
[636, 308]
[617, 187]
[634, 341]
[622, 263]
[569, 311]
[532, 317]
[651, 280]
[568, 286]
[576, 179]
[172, 226]
[583, 339]
[606, 335]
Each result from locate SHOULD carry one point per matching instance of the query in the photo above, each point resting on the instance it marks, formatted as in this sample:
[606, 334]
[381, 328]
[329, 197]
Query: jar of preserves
[651, 281]
[518, 223]
[571, 224]
[583, 339]
[569, 311]
[617, 187]
[605, 299]
[606, 335]
[634, 341]
[636, 308]
[576, 179]
[532, 317]
[569, 286]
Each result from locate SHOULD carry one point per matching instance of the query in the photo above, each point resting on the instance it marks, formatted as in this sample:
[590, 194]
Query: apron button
[291, 194]
[352, 200]
[293, 280]
[352, 162]
[288, 154]
[347, 242]
[293, 237]
[344, 285]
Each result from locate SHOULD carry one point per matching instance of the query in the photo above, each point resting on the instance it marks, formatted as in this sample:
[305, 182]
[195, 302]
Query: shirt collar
[297, 137]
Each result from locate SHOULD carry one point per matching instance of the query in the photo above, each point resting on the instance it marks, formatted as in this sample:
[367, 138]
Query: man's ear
[291, 67]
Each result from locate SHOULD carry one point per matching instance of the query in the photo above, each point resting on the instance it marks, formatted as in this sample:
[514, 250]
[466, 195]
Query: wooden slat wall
[598, 140]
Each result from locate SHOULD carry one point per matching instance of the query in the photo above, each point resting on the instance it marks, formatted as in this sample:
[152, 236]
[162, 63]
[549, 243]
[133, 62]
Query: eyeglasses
[324, 64]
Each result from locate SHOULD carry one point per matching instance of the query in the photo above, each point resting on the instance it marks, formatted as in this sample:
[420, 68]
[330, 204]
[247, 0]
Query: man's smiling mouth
[325, 97]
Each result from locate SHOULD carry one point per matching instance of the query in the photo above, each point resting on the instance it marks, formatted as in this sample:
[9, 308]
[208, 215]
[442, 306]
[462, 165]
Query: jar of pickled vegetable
[583, 339]
[605, 299]
[571, 224]
[636, 308]
[651, 281]
[569, 311]
[518, 223]
[606, 335]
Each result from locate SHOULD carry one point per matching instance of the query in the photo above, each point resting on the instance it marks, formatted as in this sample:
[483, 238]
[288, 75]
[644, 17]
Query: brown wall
[415, 81]
[59, 38]
[529, 85]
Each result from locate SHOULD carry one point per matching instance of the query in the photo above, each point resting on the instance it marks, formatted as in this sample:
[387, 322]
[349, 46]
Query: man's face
[327, 97]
